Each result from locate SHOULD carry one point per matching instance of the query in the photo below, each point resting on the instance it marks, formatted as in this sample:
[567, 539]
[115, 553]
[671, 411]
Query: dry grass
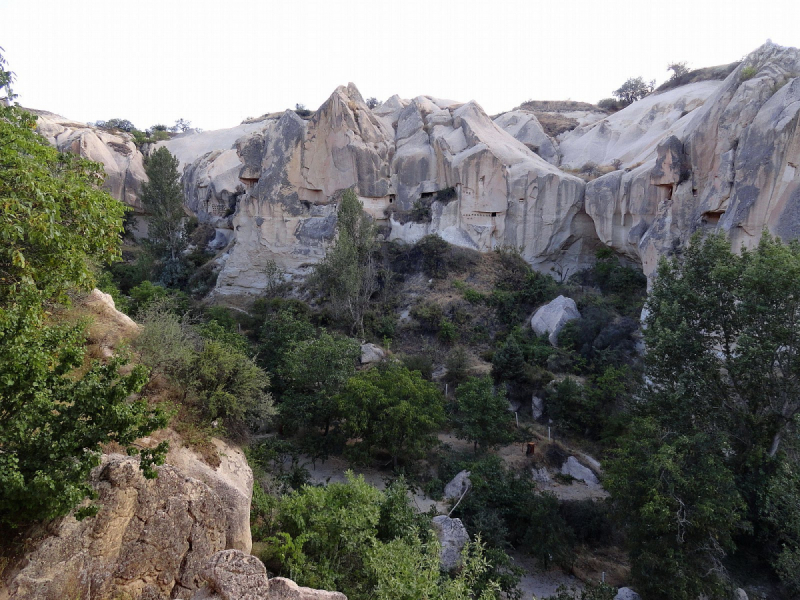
[555, 123]
[556, 105]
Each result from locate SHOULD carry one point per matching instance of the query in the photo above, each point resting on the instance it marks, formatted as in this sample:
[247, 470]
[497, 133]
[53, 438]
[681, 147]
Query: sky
[217, 62]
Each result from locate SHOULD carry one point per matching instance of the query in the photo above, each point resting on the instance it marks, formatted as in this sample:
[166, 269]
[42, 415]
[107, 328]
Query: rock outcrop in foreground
[151, 538]
[234, 575]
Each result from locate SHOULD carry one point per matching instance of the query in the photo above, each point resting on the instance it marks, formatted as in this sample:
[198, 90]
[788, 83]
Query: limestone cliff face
[150, 539]
[121, 160]
[732, 167]
[708, 155]
[481, 186]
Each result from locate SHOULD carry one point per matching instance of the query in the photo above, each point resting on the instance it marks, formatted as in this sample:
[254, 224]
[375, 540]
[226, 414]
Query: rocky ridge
[710, 155]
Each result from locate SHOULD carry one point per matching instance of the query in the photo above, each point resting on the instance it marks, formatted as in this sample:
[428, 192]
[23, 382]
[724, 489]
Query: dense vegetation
[55, 224]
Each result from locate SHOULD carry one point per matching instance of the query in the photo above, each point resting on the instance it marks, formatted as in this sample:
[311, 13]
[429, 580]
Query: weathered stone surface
[572, 467]
[457, 486]
[631, 135]
[121, 160]
[737, 173]
[286, 589]
[626, 593]
[537, 407]
[371, 353]
[550, 319]
[540, 475]
[231, 480]
[739, 594]
[233, 575]
[453, 537]
[484, 187]
[525, 127]
[149, 540]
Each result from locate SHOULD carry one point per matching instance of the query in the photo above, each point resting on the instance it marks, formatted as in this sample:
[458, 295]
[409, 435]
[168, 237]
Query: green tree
[228, 385]
[368, 544]
[162, 198]
[55, 224]
[393, 409]
[723, 341]
[721, 393]
[313, 371]
[633, 89]
[483, 415]
[349, 275]
[679, 69]
[682, 506]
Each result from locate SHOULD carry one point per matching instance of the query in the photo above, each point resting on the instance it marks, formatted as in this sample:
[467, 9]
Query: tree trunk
[776, 442]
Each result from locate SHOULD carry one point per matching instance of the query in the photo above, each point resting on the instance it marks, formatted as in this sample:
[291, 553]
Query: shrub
[447, 331]
[429, 315]
[422, 363]
[748, 72]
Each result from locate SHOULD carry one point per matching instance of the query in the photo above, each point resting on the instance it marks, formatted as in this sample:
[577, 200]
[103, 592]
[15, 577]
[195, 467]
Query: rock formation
[150, 538]
[453, 537]
[121, 160]
[704, 156]
[234, 575]
[733, 166]
[550, 319]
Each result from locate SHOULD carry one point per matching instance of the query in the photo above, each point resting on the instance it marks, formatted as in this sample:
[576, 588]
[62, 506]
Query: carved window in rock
[217, 208]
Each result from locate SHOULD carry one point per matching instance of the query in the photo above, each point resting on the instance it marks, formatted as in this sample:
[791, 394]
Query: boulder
[739, 594]
[150, 538]
[286, 589]
[456, 488]
[572, 467]
[453, 537]
[537, 407]
[371, 353]
[626, 593]
[550, 319]
[540, 475]
[234, 575]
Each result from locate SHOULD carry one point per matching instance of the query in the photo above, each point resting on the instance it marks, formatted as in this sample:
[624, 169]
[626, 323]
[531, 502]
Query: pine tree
[162, 197]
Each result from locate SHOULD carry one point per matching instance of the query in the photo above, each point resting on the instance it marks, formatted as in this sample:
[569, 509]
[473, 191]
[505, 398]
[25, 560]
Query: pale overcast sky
[218, 62]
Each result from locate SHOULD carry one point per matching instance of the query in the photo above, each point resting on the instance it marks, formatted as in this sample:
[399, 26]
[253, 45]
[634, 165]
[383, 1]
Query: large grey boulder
[739, 594]
[626, 593]
[550, 319]
[457, 486]
[453, 537]
[233, 575]
[572, 467]
[371, 353]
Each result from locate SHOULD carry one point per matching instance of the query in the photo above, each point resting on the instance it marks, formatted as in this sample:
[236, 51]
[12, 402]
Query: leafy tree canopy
[55, 224]
[393, 409]
[719, 406]
[634, 89]
[483, 415]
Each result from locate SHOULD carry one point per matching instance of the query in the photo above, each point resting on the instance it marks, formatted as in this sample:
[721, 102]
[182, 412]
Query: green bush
[429, 315]
[447, 331]
[367, 544]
